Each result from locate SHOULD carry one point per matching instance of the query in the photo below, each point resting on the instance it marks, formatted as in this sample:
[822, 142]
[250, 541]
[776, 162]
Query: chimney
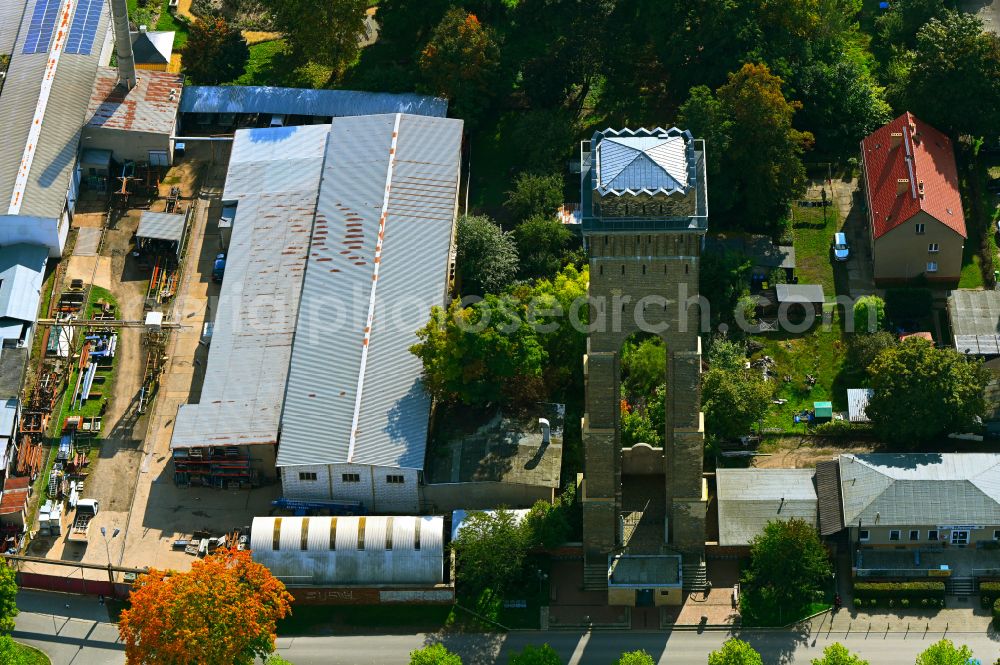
[902, 184]
[544, 424]
[142, 28]
[920, 188]
[895, 140]
[123, 44]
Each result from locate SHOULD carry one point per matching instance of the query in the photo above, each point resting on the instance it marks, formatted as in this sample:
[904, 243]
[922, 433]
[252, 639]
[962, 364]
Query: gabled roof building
[914, 205]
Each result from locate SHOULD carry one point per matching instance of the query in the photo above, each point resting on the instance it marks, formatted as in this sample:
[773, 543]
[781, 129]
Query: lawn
[270, 64]
[812, 231]
[780, 619]
[972, 273]
[820, 352]
[168, 22]
[30, 655]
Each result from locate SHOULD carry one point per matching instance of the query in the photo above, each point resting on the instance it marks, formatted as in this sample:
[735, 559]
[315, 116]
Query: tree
[489, 552]
[12, 653]
[837, 654]
[941, 385]
[726, 354]
[735, 652]
[898, 26]
[531, 655]
[434, 654]
[863, 349]
[639, 657]
[322, 31]
[945, 653]
[953, 76]
[535, 196]
[542, 246]
[8, 598]
[788, 566]
[869, 314]
[461, 62]
[486, 256]
[547, 524]
[734, 400]
[748, 124]
[724, 280]
[644, 366]
[224, 609]
[215, 52]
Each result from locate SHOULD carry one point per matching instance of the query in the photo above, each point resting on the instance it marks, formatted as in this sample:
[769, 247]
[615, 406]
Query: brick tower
[644, 213]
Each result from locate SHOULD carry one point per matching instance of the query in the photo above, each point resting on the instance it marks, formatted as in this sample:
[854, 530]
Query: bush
[989, 593]
[888, 594]
[857, 602]
[996, 614]
[904, 603]
[842, 429]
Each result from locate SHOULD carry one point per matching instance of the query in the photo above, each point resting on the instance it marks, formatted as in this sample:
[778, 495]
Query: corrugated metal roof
[750, 498]
[344, 551]
[921, 488]
[56, 149]
[11, 12]
[645, 570]
[305, 101]
[274, 176]
[975, 321]
[343, 371]
[22, 270]
[151, 106]
[161, 226]
[13, 363]
[857, 404]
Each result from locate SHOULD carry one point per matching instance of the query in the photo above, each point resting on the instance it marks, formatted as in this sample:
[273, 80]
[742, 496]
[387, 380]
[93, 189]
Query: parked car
[219, 268]
[841, 251]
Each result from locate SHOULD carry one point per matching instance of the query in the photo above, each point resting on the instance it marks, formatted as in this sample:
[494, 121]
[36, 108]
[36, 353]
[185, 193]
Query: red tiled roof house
[914, 206]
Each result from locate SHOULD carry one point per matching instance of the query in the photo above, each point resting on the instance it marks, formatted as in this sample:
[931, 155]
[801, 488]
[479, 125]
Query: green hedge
[891, 594]
[989, 593]
[996, 614]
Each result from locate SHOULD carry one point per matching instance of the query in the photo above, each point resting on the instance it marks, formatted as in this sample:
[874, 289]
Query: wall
[372, 490]
[642, 459]
[901, 254]
[672, 596]
[46, 231]
[262, 459]
[879, 536]
[621, 596]
[437, 595]
[125, 144]
[446, 497]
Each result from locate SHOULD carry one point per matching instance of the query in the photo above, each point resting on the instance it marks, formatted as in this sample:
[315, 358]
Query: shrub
[904, 603]
[890, 593]
[857, 602]
[996, 614]
[843, 429]
[989, 592]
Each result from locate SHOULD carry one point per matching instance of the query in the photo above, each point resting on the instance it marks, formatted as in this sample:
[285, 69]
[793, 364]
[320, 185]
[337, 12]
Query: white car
[841, 251]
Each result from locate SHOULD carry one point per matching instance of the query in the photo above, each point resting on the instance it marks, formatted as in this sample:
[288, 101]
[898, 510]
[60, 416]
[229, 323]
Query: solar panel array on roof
[84, 27]
[43, 20]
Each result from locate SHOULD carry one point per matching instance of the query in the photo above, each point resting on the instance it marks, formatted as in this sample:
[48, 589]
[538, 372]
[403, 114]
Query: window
[996, 534]
[914, 534]
[959, 537]
[863, 535]
[395, 480]
[919, 228]
[932, 534]
[933, 247]
[894, 534]
[307, 475]
[158, 158]
[932, 266]
[351, 478]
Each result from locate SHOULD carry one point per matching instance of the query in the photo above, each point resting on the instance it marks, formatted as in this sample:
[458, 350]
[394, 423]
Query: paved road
[87, 638]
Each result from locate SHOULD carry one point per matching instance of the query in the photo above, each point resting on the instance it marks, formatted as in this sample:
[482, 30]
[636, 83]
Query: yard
[269, 64]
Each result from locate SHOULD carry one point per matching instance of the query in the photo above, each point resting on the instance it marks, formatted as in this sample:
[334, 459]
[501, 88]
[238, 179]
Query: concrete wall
[642, 459]
[880, 536]
[901, 254]
[437, 595]
[125, 145]
[649, 280]
[49, 232]
[446, 497]
[661, 596]
[372, 487]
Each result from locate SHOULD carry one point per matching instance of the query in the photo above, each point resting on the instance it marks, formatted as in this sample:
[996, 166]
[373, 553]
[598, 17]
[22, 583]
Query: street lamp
[107, 550]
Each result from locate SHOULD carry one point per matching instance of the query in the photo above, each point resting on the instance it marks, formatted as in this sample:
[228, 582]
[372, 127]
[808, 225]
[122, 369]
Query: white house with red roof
[914, 205]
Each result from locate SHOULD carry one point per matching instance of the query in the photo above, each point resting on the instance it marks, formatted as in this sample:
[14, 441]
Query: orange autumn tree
[222, 611]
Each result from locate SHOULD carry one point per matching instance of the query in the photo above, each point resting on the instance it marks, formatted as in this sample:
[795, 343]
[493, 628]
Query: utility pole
[107, 550]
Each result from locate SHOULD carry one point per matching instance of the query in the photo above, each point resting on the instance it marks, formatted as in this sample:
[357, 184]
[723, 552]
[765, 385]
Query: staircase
[694, 576]
[960, 586]
[595, 577]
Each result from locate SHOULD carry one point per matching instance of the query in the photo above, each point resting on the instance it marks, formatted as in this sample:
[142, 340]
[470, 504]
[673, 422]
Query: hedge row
[989, 593]
[914, 592]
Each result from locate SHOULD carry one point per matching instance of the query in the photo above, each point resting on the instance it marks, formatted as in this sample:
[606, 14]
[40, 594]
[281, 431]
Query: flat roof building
[750, 498]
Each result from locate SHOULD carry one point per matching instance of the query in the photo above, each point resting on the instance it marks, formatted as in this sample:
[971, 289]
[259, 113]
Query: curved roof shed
[350, 551]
